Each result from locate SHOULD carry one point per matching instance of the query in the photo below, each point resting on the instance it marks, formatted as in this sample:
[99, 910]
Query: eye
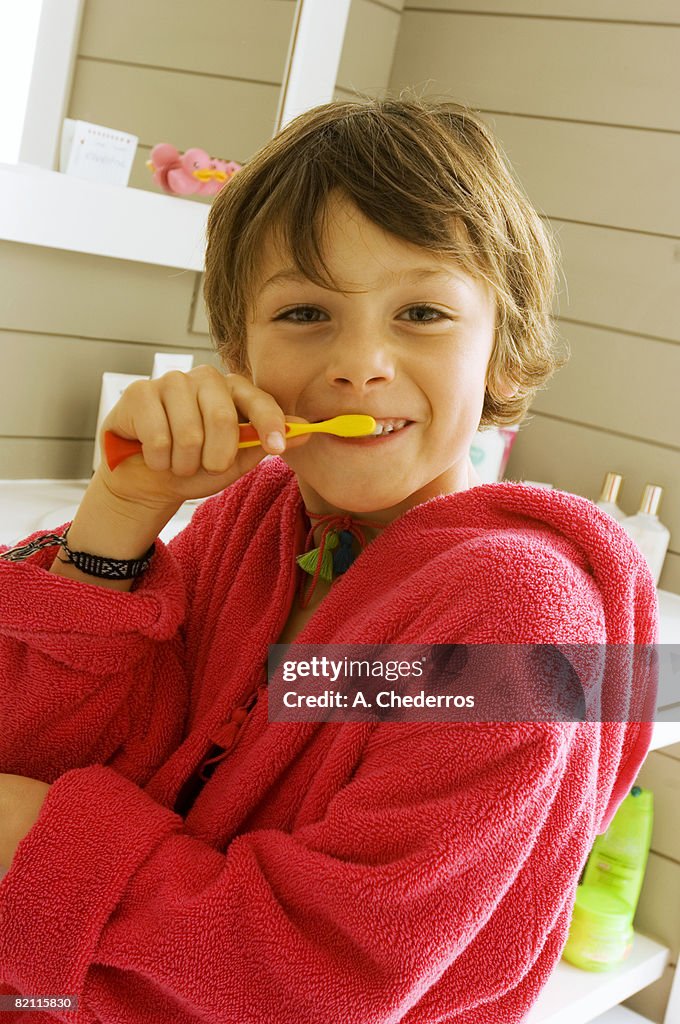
[288, 315]
[438, 315]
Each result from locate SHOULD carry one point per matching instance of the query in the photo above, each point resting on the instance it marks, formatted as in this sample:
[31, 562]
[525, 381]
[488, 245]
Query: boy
[202, 862]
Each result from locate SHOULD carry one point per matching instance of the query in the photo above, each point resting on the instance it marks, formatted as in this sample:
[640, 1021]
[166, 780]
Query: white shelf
[574, 996]
[30, 505]
[622, 1015]
[40, 207]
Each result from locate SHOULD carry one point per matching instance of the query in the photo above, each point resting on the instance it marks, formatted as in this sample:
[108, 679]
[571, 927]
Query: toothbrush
[118, 449]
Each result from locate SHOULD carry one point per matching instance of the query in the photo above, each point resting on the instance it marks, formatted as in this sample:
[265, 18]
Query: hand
[188, 426]
[21, 801]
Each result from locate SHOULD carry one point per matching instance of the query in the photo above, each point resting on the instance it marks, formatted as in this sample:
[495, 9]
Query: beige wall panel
[235, 38]
[40, 459]
[671, 572]
[619, 279]
[575, 458]
[199, 324]
[57, 292]
[349, 94]
[597, 387]
[672, 751]
[227, 117]
[65, 376]
[651, 1002]
[661, 890]
[497, 63]
[395, 5]
[664, 11]
[368, 47]
[662, 775]
[620, 177]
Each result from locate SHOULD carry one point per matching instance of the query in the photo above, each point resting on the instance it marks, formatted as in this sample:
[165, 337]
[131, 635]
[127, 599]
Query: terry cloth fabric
[364, 873]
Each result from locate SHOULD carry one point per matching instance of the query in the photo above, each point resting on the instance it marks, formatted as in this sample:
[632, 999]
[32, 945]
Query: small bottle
[608, 495]
[600, 932]
[618, 859]
[650, 535]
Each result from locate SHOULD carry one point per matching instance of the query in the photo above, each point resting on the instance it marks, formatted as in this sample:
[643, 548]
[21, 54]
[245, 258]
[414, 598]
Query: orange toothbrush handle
[117, 449]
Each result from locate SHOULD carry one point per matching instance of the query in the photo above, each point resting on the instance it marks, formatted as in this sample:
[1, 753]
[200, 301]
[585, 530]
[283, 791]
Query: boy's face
[321, 353]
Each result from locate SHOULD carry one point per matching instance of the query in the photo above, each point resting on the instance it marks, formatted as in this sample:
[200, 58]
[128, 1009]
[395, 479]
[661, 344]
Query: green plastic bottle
[618, 858]
[601, 929]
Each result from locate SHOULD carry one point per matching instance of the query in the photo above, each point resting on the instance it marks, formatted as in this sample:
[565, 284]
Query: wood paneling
[619, 279]
[67, 293]
[575, 458]
[619, 177]
[661, 889]
[235, 39]
[660, 774]
[370, 39]
[65, 393]
[52, 434]
[229, 118]
[625, 74]
[45, 458]
[596, 387]
[664, 12]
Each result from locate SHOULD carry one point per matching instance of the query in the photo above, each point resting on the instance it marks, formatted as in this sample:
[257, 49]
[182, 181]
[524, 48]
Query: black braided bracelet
[92, 565]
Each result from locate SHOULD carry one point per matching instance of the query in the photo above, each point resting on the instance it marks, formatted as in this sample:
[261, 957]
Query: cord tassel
[344, 556]
[310, 559]
[335, 552]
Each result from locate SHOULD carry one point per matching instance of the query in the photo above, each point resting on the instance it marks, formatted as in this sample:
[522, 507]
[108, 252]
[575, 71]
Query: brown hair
[420, 169]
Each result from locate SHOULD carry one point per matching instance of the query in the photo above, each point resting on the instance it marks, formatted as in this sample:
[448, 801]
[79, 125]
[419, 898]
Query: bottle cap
[597, 903]
[610, 487]
[650, 499]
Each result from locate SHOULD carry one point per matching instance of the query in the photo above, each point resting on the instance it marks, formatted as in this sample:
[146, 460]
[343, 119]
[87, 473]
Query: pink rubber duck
[194, 172]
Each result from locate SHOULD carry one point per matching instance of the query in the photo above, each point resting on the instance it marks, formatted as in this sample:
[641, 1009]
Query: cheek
[277, 381]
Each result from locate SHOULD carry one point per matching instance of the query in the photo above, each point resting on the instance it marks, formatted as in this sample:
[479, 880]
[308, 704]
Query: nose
[359, 360]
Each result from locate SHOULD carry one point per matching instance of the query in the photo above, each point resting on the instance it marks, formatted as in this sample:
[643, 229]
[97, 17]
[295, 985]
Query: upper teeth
[387, 426]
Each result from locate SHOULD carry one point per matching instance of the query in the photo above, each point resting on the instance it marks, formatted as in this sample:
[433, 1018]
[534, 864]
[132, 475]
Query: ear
[502, 388]
[507, 390]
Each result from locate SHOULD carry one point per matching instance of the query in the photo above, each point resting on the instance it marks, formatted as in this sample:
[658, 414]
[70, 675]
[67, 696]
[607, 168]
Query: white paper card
[97, 153]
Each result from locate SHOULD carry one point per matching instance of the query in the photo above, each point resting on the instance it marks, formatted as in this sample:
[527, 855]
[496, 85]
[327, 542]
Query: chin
[361, 502]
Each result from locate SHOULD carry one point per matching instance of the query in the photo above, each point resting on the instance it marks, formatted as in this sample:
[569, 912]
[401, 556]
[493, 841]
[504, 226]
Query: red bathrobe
[353, 873]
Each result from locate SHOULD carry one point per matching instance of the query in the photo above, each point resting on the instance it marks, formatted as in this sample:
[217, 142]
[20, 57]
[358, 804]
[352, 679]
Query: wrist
[108, 527]
[125, 528]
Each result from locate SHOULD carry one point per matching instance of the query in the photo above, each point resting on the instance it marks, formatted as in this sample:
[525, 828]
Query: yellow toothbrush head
[351, 425]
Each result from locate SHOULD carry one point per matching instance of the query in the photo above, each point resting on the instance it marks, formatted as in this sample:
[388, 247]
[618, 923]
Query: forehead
[349, 243]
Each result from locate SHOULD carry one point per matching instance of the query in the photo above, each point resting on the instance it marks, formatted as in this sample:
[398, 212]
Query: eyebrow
[415, 275]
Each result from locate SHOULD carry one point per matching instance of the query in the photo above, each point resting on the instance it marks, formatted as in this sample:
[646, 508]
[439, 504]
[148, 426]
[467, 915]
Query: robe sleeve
[81, 665]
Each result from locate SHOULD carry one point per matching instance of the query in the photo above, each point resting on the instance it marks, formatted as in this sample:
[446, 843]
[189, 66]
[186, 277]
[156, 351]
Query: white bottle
[163, 362]
[486, 454]
[650, 535]
[609, 494]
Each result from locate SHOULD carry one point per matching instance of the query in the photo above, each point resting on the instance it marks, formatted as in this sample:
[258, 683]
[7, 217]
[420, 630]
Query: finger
[220, 426]
[178, 395]
[141, 415]
[260, 409]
